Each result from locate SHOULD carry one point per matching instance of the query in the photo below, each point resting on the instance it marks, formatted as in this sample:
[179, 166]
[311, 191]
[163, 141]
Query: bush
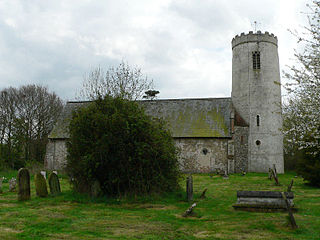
[114, 142]
[309, 166]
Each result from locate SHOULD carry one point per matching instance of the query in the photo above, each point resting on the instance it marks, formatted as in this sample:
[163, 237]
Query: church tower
[256, 97]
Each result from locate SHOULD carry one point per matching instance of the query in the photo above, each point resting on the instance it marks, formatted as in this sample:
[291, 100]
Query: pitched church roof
[206, 117]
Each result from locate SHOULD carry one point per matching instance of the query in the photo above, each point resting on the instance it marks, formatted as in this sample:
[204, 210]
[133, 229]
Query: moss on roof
[209, 117]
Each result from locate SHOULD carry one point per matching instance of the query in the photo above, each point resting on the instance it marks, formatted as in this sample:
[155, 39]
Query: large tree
[27, 114]
[302, 115]
[122, 81]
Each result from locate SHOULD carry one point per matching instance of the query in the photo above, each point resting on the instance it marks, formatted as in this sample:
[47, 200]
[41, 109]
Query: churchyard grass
[73, 216]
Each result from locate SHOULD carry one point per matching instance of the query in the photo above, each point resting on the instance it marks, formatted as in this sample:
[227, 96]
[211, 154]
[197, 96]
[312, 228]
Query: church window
[258, 120]
[241, 140]
[256, 60]
[204, 151]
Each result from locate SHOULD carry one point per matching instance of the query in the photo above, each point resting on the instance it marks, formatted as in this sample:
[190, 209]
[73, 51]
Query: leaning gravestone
[189, 188]
[54, 184]
[23, 184]
[12, 184]
[41, 185]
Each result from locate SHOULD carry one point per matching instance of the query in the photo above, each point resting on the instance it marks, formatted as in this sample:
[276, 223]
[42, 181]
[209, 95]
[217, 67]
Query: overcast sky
[184, 46]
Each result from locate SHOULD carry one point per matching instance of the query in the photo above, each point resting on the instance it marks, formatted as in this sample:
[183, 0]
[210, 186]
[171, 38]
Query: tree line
[27, 115]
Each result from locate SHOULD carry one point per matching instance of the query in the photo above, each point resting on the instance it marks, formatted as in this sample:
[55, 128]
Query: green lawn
[70, 216]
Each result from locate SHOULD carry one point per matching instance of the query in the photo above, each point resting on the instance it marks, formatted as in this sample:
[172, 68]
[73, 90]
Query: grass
[73, 216]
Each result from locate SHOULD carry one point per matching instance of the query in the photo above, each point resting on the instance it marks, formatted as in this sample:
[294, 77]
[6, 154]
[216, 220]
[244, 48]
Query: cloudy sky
[183, 45]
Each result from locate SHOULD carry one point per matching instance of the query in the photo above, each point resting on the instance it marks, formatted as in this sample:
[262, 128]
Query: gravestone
[12, 184]
[41, 185]
[189, 188]
[96, 189]
[44, 173]
[263, 200]
[1, 185]
[54, 184]
[23, 184]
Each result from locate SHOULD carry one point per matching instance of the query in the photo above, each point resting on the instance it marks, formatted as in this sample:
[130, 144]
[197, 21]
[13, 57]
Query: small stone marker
[189, 188]
[96, 189]
[56, 172]
[41, 185]
[1, 185]
[23, 184]
[44, 173]
[54, 184]
[12, 184]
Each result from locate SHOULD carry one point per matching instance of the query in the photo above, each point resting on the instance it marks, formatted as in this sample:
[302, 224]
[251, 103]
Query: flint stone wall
[56, 154]
[241, 135]
[202, 155]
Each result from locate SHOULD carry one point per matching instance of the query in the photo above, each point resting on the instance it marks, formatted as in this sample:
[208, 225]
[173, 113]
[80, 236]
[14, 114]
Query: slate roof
[204, 117]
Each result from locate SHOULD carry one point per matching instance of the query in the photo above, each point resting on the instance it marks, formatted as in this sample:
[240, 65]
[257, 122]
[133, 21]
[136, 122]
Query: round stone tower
[256, 97]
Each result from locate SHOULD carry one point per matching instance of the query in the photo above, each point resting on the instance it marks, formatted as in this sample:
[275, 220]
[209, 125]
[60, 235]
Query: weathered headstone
[54, 184]
[23, 184]
[189, 188]
[263, 200]
[12, 184]
[41, 185]
[95, 189]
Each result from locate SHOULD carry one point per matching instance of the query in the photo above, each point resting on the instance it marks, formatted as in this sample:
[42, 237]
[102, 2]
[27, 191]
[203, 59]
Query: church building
[241, 133]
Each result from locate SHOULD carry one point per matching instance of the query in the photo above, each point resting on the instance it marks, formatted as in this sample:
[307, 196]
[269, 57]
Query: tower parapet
[254, 37]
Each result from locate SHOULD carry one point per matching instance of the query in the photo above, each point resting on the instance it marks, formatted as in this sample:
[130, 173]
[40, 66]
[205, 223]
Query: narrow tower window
[256, 60]
[258, 120]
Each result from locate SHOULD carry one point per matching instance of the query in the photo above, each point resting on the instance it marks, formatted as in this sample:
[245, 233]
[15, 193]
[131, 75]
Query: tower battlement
[254, 37]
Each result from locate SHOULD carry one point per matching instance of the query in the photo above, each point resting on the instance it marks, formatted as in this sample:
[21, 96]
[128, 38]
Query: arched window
[256, 60]
[258, 120]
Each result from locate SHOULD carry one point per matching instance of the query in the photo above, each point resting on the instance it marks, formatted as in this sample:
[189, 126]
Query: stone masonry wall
[196, 154]
[56, 154]
[241, 135]
[202, 154]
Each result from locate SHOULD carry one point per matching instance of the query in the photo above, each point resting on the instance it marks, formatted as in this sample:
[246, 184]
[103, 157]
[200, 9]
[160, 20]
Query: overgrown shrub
[309, 166]
[114, 142]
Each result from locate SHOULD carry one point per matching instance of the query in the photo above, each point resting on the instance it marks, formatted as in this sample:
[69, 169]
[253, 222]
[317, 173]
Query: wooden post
[270, 174]
[274, 173]
[189, 188]
[290, 186]
[203, 195]
[291, 217]
[189, 210]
